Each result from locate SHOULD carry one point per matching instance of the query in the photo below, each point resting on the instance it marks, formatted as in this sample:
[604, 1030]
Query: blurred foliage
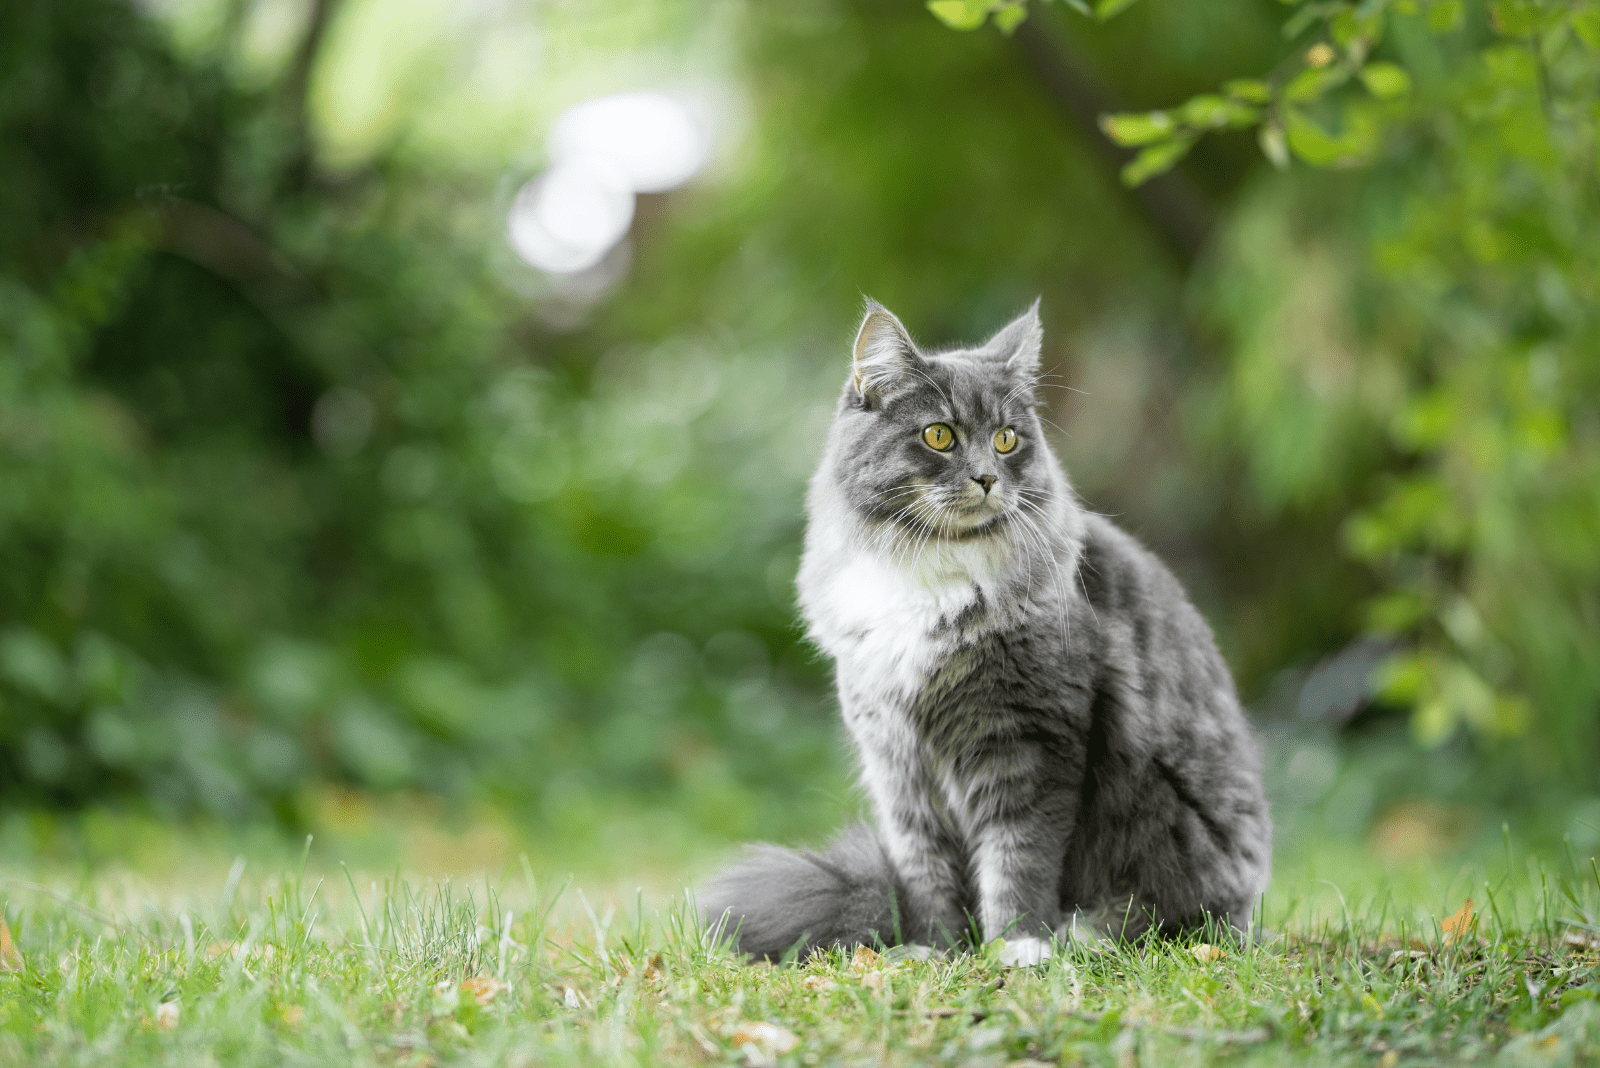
[1469, 349]
[306, 477]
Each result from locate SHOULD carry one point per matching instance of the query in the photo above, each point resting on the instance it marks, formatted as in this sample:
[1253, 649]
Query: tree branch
[1178, 210]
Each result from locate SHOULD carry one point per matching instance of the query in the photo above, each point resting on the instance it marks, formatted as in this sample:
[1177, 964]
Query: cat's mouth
[970, 519]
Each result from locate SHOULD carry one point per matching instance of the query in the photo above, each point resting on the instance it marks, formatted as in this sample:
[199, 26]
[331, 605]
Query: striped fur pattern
[1051, 743]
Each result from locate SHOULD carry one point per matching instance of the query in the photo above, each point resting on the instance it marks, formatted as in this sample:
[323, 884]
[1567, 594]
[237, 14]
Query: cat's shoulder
[1118, 573]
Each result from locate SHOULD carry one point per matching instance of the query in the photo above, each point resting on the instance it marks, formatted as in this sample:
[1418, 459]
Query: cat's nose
[986, 481]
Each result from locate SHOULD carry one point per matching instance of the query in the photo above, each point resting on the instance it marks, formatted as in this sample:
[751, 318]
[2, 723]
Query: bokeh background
[406, 405]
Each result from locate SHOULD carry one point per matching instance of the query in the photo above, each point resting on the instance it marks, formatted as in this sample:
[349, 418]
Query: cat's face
[941, 445]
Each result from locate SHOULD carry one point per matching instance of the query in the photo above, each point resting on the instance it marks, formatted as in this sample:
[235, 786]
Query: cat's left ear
[1017, 344]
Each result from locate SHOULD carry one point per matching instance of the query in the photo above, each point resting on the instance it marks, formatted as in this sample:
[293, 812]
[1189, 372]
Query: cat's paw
[911, 951]
[1024, 952]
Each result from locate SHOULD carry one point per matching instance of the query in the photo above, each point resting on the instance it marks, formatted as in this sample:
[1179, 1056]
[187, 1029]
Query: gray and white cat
[1051, 742]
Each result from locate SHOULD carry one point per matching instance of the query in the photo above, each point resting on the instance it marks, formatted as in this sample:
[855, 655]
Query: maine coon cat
[1051, 743]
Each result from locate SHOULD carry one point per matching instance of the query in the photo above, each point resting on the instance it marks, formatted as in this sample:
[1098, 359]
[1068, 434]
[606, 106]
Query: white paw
[1082, 932]
[911, 951]
[1024, 952]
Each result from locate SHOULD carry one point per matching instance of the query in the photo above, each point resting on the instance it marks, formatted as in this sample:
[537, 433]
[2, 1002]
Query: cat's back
[1153, 645]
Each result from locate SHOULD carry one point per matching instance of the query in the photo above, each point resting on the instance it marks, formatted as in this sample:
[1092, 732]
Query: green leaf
[1586, 24]
[1445, 16]
[1156, 159]
[1205, 110]
[1008, 18]
[1403, 678]
[1350, 26]
[960, 14]
[1311, 142]
[1385, 80]
[1106, 9]
[1081, 7]
[1249, 89]
[1212, 112]
[1133, 129]
[1312, 82]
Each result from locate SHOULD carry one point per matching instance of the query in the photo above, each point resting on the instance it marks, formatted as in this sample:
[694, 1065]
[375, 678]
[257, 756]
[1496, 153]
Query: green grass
[288, 967]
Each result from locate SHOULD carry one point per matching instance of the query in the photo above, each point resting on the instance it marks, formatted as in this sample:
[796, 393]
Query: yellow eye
[1005, 439]
[939, 437]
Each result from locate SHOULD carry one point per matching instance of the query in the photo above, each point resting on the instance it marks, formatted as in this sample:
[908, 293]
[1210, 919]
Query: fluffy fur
[1050, 740]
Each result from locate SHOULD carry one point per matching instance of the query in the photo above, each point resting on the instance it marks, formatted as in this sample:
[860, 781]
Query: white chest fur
[891, 625]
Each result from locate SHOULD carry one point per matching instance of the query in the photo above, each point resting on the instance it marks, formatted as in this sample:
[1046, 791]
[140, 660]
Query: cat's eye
[1005, 439]
[938, 437]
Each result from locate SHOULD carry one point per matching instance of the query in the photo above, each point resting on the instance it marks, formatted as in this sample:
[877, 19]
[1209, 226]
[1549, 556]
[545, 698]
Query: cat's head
[942, 445]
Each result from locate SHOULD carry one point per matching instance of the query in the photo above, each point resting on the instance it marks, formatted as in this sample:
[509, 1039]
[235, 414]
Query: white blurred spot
[602, 151]
[567, 219]
[649, 137]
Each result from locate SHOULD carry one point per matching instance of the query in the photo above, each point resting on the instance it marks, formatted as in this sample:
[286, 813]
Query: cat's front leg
[1017, 835]
[918, 838]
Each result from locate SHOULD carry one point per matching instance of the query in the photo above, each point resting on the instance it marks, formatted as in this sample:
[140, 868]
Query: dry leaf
[873, 981]
[820, 984]
[570, 996]
[1389, 1059]
[1205, 953]
[762, 1042]
[167, 1015]
[1459, 925]
[864, 959]
[10, 959]
[484, 989]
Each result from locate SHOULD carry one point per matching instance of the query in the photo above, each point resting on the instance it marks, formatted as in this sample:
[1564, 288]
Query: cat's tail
[776, 900]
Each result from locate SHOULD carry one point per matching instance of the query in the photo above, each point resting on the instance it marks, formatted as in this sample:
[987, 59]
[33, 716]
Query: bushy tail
[776, 900]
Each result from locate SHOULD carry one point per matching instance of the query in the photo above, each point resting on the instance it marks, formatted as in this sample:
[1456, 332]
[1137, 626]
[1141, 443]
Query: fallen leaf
[1389, 1059]
[1459, 925]
[1205, 953]
[865, 959]
[167, 1015]
[483, 988]
[873, 981]
[819, 983]
[768, 1039]
[10, 959]
[570, 996]
[293, 1015]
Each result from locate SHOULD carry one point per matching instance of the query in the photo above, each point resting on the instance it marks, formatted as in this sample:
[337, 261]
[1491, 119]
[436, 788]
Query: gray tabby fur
[1050, 740]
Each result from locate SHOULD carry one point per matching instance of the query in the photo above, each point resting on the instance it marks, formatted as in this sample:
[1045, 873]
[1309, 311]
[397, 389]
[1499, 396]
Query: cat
[1050, 740]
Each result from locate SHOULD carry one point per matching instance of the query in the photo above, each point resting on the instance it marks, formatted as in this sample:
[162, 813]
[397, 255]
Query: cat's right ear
[884, 355]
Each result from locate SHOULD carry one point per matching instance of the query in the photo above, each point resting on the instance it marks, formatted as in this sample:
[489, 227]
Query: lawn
[298, 960]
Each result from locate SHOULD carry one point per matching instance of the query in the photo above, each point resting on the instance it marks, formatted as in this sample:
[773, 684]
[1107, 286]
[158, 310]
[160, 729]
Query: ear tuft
[1018, 343]
[884, 352]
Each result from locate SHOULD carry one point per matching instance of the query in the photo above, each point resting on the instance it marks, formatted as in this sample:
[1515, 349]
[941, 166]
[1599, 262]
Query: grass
[287, 967]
